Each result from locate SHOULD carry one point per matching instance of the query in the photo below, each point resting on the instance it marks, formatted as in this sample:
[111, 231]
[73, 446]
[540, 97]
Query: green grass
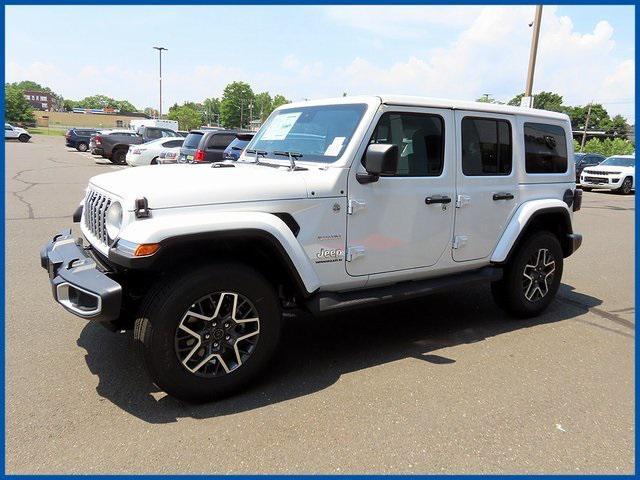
[54, 132]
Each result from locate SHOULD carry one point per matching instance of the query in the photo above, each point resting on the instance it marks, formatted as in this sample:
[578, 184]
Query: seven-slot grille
[95, 210]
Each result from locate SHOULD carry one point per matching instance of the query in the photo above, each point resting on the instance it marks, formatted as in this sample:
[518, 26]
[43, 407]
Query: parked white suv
[16, 133]
[334, 205]
[615, 173]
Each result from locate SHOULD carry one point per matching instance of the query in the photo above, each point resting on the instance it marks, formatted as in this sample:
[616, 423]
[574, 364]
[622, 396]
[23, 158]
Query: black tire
[154, 161]
[119, 156]
[626, 187]
[24, 138]
[519, 295]
[82, 147]
[164, 311]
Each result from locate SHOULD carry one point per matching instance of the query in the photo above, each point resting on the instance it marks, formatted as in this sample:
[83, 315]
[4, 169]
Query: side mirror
[379, 159]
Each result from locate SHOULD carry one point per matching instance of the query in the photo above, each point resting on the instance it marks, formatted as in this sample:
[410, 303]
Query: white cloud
[491, 56]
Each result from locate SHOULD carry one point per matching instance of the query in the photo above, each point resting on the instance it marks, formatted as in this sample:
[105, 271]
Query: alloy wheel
[217, 334]
[538, 275]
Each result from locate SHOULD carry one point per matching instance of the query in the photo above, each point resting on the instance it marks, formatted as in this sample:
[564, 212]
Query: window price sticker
[281, 126]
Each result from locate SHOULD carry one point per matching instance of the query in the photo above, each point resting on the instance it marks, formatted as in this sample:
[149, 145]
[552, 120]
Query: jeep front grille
[95, 210]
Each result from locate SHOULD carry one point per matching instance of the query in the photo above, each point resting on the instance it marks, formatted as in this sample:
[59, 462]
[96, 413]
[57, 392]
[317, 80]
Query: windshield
[619, 162]
[319, 133]
[192, 140]
[579, 156]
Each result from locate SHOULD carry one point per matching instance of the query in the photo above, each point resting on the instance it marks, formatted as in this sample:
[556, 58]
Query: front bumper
[78, 282]
[594, 181]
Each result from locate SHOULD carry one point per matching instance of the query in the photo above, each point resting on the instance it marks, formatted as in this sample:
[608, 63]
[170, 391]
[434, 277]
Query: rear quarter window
[192, 140]
[545, 148]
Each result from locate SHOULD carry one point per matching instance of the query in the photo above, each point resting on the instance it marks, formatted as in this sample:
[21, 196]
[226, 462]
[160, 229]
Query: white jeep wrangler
[334, 205]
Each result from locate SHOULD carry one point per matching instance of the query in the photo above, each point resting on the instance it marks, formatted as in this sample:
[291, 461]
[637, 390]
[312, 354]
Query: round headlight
[113, 220]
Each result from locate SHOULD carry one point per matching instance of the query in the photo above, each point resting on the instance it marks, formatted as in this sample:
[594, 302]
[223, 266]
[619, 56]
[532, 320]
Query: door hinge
[354, 252]
[459, 241]
[462, 200]
[355, 205]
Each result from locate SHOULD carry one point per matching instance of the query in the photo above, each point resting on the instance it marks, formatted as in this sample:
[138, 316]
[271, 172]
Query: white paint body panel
[614, 175]
[519, 221]
[147, 151]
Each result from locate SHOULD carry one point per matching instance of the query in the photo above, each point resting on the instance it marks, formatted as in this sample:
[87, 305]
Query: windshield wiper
[258, 153]
[292, 156]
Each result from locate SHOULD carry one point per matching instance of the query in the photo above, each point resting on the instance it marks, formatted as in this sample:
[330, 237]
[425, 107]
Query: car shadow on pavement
[315, 353]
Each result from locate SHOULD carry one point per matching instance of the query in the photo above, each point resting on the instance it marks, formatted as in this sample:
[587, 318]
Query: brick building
[42, 101]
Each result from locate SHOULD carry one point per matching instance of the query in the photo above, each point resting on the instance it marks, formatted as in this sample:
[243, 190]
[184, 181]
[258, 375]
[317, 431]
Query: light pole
[527, 100]
[160, 49]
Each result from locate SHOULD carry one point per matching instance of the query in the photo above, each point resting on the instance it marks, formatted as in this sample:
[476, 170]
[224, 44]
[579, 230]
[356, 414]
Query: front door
[486, 186]
[405, 220]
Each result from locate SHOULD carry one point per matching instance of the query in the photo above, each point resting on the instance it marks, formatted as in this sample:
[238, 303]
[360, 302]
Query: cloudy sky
[586, 52]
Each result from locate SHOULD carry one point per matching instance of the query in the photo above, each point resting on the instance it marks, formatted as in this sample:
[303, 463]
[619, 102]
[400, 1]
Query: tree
[609, 146]
[279, 100]
[68, 105]
[262, 106]
[486, 98]
[234, 107]
[102, 101]
[17, 108]
[619, 126]
[150, 112]
[598, 118]
[211, 110]
[543, 100]
[187, 115]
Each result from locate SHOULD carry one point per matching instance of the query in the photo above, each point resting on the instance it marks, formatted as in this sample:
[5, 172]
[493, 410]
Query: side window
[420, 141]
[172, 143]
[486, 147]
[221, 140]
[545, 148]
[153, 133]
[7, 127]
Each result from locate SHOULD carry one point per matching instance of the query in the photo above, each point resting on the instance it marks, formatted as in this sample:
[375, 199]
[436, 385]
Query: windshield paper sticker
[281, 126]
[334, 149]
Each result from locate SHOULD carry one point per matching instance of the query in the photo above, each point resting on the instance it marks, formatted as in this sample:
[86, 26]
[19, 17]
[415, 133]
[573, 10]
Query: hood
[189, 185]
[609, 169]
[20, 130]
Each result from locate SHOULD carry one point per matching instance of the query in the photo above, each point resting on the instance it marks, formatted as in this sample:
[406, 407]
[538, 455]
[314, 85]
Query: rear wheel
[119, 156]
[24, 138]
[82, 147]
[207, 333]
[627, 186]
[532, 277]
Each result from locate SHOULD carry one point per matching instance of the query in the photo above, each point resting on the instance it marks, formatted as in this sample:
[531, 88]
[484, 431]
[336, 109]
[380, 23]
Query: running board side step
[324, 303]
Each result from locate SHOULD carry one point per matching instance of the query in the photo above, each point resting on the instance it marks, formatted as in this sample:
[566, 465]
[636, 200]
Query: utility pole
[586, 125]
[241, 108]
[160, 49]
[527, 100]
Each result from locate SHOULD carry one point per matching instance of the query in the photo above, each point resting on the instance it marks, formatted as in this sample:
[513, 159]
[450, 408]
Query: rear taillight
[98, 139]
[199, 156]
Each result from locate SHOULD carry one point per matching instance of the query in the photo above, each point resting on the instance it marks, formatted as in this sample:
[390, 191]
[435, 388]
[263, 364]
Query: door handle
[503, 196]
[437, 199]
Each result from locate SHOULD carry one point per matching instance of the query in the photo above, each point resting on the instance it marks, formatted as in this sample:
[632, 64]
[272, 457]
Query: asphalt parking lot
[447, 384]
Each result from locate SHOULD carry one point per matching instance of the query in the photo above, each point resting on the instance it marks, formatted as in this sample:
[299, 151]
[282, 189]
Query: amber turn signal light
[146, 249]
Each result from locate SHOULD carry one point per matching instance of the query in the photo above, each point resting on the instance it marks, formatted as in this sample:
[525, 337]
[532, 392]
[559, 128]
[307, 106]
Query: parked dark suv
[79, 138]
[205, 146]
[584, 160]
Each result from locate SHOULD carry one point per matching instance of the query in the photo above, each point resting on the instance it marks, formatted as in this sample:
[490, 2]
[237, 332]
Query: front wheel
[532, 277]
[24, 138]
[627, 186]
[207, 333]
[82, 147]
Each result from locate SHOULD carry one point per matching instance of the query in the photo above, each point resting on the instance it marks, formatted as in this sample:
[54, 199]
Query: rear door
[486, 182]
[216, 145]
